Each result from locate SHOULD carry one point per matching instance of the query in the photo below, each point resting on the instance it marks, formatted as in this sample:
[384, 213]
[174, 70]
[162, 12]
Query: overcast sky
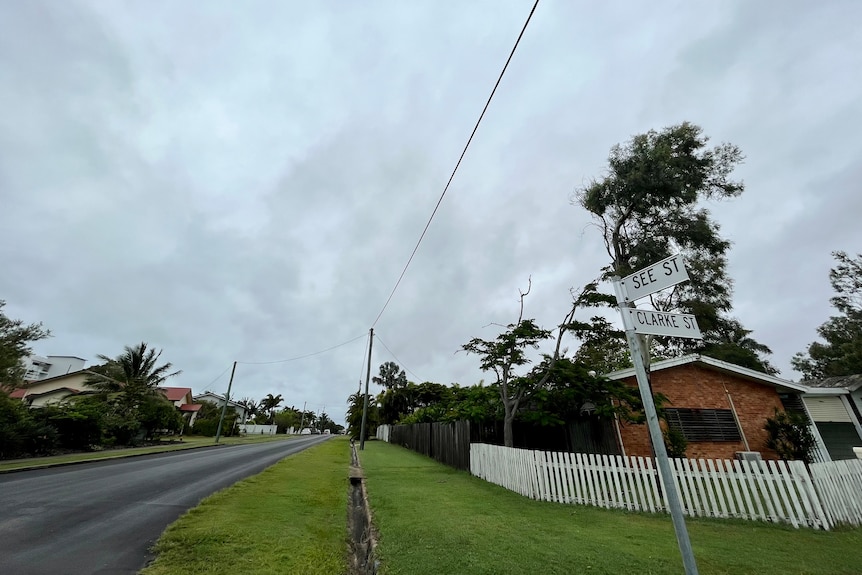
[246, 180]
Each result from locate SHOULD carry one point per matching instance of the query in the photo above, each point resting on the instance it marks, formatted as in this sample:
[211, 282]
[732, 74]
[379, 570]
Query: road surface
[103, 517]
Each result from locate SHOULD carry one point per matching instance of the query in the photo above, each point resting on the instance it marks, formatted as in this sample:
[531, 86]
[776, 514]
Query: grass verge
[434, 519]
[189, 442]
[291, 518]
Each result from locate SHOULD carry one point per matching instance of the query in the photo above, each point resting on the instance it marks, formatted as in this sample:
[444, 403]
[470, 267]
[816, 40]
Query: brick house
[719, 407]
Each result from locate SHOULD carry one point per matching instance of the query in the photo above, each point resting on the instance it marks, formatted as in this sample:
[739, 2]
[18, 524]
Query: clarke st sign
[668, 272]
[651, 322]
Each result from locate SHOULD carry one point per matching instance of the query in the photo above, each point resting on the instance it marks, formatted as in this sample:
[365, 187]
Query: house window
[704, 424]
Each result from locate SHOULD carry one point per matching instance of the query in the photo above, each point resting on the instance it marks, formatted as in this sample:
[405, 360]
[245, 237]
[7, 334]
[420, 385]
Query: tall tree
[391, 376]
[15, 337]
[269, 404]
[649, 206]
[508, 353]
[134, 369]
[841, 353]
[130, 385]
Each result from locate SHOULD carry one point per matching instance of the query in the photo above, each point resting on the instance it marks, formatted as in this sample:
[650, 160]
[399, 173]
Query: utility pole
[367, 379]
[302, 419]
[640, 356]
[224, 407]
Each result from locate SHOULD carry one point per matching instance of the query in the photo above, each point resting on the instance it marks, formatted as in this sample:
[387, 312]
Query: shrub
[790, 436]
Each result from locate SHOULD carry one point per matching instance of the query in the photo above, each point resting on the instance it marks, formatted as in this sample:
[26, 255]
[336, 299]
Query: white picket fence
[777, 491]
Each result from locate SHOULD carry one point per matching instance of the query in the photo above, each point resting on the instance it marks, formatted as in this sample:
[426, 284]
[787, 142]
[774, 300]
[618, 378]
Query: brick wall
[692, 386]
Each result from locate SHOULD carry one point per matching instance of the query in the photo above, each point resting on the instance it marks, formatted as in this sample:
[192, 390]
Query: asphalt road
[103, 517]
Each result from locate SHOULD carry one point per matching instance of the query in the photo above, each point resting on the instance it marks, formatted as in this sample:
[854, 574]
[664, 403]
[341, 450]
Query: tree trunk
[508, 436]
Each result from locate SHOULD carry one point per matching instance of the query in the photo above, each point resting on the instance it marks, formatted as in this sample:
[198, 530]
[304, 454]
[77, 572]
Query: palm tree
[135, 367]
[252, 408]
[269, 403]
[130, 384]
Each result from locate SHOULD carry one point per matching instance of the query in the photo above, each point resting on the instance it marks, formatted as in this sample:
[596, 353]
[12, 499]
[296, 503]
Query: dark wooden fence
[449, 443]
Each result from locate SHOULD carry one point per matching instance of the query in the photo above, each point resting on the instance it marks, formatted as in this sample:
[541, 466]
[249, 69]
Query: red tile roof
[176, 393]
[18, 393]
[191, 407]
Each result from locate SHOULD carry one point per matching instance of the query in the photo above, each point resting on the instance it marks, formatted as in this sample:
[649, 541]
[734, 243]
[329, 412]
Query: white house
[39, 367]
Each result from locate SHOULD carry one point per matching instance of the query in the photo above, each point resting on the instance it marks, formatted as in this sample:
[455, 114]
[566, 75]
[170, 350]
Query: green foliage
[789, 434]
[268, 405]
[603, 347]
[21, 433]
[675, 442]
[15, 337]
[648, 207]
[206, 422]
[391, 376]
[287, 418]
[571, 392]
[80, 422]
[841, 354]
[354, 416]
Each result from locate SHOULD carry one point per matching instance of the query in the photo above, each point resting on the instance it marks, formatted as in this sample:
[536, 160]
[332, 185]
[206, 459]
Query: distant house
[182, 399]
[835, 405]
[241, 411]
[54, 390]
[48, 367]
[721, 409]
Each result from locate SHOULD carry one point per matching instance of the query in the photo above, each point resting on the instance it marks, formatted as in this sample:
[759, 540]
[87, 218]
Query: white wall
[251, 429]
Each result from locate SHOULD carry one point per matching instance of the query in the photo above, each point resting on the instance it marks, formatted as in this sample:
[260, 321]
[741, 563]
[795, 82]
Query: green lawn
[434, 519]
[290, 519]
[189, 442]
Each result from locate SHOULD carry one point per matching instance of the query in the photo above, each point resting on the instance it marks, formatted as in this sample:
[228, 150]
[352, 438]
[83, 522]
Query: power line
[401, 363]
[218, 378]
[301, 356]
[458, 164]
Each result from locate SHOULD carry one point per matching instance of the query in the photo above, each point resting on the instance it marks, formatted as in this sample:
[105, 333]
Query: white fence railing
[778, 491]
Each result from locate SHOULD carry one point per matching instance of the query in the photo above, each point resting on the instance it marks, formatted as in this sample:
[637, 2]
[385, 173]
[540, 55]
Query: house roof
[18, 393]
[217, 397]
[66, 390]
[191, 407]
[717, 365]
[176, 393]
[849, 382]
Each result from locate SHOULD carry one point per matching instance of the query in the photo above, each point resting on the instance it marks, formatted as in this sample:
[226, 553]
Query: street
[103, 517]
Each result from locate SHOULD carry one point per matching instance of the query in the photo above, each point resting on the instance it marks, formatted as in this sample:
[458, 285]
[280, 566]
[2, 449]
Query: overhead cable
[458, 164]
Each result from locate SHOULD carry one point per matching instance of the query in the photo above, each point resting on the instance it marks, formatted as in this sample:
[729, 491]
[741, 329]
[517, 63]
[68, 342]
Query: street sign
[647, 321]
[669, 271]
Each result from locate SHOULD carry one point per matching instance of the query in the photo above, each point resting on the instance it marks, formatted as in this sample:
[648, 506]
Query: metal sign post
[638, 351]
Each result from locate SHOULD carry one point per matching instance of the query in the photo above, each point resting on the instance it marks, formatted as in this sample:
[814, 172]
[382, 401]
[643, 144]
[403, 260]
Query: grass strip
[189, 442]
[435, 519]
[291, 518]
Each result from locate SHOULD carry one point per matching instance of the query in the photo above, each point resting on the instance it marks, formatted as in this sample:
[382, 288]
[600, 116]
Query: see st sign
[669, 271]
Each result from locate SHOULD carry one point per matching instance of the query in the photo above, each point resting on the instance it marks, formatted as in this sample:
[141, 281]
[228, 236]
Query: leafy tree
[648, 207]
[508, 353]
[391, 376]
[268, 406]
[841, 354]
[130, 386]
[206, 422]
[572, 390]
[603, 347]
[287, 418]
[730, 342]
[354, 416]
[15, 337]
[20, 432]
[252, 407]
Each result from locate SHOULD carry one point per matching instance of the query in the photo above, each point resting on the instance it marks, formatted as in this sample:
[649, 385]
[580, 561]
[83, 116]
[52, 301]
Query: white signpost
[668, 272]
[638, 323]
[649, 322]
